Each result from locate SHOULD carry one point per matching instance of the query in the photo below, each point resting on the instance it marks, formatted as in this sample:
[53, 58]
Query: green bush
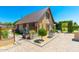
[4, 34]
[42, 32]
[66, 26]
[70, 28]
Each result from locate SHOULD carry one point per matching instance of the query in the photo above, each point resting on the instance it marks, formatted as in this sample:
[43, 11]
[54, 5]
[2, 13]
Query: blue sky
[13, 13]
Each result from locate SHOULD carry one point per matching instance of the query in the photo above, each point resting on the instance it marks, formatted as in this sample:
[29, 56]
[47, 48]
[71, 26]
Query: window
[47, 15]
[32, 26]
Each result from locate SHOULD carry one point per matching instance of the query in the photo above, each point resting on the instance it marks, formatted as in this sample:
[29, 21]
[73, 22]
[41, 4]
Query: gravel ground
[62, 43]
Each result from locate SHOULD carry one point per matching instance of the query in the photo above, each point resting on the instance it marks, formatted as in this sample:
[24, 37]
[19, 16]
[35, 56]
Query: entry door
[32, 26]
[21, 28]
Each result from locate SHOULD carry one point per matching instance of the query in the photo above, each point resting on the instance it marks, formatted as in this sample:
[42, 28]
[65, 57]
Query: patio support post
[0, 33]
[14, 34]
[37, 27]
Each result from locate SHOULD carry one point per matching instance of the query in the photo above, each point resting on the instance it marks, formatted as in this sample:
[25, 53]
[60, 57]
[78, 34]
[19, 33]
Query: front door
[32, 26]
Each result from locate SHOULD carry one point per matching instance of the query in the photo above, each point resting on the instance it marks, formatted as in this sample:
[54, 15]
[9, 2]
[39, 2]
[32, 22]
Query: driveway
[62, 43]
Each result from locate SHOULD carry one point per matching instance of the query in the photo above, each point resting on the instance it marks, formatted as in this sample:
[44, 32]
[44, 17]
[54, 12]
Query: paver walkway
[62, 43]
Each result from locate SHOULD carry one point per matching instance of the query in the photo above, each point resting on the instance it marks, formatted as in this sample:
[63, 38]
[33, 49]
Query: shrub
[4, 34]
[17, 32]
[32, 32]
[70, 28]
[42, 32]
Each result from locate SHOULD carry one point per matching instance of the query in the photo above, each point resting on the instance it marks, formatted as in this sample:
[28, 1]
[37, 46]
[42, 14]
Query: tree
[42, 32]
[57, 26]
[0, 22]
[66, 25]
[15, 22]
[70, 27]
[75, 24]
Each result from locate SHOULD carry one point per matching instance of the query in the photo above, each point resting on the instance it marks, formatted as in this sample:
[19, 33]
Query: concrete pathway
[62, 43]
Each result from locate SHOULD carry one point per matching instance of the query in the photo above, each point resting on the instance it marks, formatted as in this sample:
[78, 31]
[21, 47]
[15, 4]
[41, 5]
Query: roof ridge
[33, 16]
[37, 11]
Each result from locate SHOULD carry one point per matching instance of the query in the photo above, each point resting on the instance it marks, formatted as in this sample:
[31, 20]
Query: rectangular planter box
[76, 36]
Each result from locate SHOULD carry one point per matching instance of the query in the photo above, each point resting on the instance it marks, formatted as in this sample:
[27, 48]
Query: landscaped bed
[39, 42]
[6, 37]
[40, 38]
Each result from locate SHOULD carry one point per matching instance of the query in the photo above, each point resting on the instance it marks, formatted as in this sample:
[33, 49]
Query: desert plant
[42, 32]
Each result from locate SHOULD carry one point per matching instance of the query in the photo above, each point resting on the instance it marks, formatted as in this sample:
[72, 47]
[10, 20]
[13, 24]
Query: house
[3, 26]
[6, 25]
[42, 18]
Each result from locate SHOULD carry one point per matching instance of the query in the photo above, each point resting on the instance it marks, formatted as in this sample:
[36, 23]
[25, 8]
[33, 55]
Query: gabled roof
[34, 17]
